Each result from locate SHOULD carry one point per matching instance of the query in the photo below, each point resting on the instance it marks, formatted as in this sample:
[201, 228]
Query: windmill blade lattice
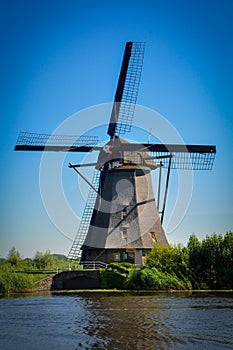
[75, 251]
[38, 142]
[131, 88]
[187, 161]
[187, 157]
[127, 89]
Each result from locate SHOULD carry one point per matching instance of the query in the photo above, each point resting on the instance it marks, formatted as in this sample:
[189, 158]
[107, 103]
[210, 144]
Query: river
[159, 321]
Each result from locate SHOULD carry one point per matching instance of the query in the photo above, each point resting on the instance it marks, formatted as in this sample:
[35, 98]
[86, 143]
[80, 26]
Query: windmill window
[123, 213]
[153, 236]
[124, 232]
[117, 256]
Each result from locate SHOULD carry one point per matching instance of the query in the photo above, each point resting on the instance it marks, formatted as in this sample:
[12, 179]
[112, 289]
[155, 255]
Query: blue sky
[59, 57]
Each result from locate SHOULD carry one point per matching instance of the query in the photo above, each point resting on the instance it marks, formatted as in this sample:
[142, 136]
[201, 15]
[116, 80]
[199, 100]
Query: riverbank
[113, 283]
[117, 292]
[136, 292]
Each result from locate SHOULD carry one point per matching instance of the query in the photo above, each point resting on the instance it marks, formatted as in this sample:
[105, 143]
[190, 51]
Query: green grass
[17, 282]
[11, 282]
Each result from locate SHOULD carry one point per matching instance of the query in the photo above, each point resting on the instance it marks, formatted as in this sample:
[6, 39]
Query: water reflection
[126, 323]
[156, 322]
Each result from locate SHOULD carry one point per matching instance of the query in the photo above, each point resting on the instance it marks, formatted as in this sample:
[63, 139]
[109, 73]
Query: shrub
[115, 276]
[152, 278]
[11, 282]
[112, 279]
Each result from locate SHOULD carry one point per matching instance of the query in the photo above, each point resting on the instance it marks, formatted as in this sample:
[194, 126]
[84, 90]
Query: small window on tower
[123, 213]
[117, 256]
[153, 236]
[124, 232]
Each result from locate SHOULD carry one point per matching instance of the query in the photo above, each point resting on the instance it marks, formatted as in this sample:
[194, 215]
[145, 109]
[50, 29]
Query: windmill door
[129, 256]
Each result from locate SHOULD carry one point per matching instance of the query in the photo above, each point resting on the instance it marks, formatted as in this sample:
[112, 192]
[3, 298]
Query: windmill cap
[117, 157]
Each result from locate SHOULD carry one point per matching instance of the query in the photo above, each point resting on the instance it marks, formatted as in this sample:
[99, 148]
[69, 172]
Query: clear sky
[59, 57]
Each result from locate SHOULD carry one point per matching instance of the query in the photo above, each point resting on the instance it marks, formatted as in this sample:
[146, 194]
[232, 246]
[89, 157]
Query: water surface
[117, 321]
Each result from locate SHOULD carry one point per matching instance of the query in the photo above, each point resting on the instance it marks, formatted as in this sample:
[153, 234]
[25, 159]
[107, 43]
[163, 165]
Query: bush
[121, 267]
[115, 276]
[112, 279]
[152, 278]
[11, 282]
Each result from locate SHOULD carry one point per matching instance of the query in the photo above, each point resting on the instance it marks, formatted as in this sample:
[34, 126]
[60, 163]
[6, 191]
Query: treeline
[206, 264]
[18, 274]
[40, 262]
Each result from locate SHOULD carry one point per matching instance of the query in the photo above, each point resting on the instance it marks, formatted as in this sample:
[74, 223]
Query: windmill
[121, 220]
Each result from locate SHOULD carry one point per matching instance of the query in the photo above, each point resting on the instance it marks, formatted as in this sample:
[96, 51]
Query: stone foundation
[79, 279]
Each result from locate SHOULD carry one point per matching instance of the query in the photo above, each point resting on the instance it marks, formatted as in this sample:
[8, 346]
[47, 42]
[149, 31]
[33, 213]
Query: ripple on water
[98, 321]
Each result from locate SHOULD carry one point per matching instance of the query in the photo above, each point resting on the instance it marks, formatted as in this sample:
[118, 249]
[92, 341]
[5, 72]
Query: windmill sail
[75, 251]
[28, 141]
[186, 160]
[127, 89]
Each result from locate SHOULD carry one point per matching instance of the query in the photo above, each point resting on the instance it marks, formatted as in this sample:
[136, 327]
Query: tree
[169, 259]
[211, 261]
[13, 257]
[195, 261]
[43, 260]
[226, 276]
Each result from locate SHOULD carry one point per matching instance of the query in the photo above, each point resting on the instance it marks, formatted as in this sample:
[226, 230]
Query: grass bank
[18, 282]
